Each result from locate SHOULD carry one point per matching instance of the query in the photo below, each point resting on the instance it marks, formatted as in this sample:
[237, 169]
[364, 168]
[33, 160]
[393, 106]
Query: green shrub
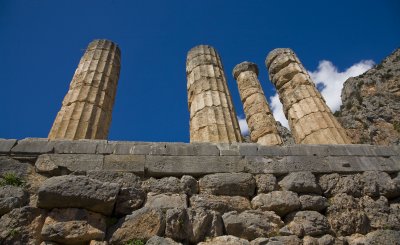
[396, 126]
[135, 242]
[11, 179]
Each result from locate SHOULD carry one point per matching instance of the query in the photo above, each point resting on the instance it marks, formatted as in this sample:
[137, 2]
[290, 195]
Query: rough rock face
[370, 109]
[12, 197]
[22, 226]
[252, 224]
[285, 134]
[141, 224]
[79, 192]
[73, 225]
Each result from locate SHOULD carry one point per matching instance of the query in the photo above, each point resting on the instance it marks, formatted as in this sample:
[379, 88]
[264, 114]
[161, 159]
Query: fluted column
[86, 109]
[262, 124]
[310, 119]
[212, 116]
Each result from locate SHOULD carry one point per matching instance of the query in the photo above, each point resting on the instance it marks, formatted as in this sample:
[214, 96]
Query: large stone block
[221, 204]
[59, 164]
[6, 145]
[307, 223]
[73, 226]
[228, 184]
[226, 240]
[252, 224]
[345, 216]
[159, 166]
[22, 226]
[33, 146]
[166, 201]
[128, 163]
[133, 227]
[75, 147]
[300, 182]
[281, 202]
[128, 200]
[12, 197]
[78, 192]
[187, 184]
[124, 179]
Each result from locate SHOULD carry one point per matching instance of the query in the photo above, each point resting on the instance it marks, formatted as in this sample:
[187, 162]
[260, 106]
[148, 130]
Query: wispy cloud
[330, 83]
[243, 126]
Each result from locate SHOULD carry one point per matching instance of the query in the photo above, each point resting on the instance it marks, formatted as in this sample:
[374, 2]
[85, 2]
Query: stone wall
[107, 192]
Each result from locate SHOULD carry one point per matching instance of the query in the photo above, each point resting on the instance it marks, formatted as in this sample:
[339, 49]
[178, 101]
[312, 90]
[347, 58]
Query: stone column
[212, 116]
[86, 109]
[310, 119]
[262, 124]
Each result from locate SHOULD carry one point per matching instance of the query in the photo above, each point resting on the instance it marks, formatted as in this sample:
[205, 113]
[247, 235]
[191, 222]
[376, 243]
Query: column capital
[244, 66]
[275, 53]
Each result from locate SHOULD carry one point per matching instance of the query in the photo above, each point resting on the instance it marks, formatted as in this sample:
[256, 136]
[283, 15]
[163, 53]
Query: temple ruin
[310, 119]
[262, 125]
[212, 115]
[87, 107]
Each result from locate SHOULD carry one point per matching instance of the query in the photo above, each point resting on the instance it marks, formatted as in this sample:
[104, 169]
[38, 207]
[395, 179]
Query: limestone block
[128, 200]
[309, 223]
[262, 125]
[156, 240]
[212, 116]
[388, 236]
[22, 226]
[265, 183]
[345, 215]
[58, 164]
[300, 182]
[6, 145]
[187, 184]
[73, 225]
[129, 163]
[228, 184]
[166, 201]
[124, 179]
[226, 240]
[252, 224]
[220, 204]
[281, 202]
[313, 202]
[193, 225]
[87, 107]
[34, 146]
[132, 227]
[78, 192]
[310, 119]
[377, 211]
[12, 197]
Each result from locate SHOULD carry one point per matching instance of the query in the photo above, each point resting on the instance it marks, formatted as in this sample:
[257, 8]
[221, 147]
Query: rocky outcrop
[370, 110]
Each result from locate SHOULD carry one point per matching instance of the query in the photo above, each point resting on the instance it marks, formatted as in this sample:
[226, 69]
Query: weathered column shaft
[212, 115]
[310, 119]
[86, 109]
[262, 124]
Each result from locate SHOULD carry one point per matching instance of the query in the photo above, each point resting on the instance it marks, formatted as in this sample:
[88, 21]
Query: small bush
[134, 242]
[11, 179]
[396, 126]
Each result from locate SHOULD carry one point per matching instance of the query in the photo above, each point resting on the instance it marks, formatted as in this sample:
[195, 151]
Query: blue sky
[41, 42]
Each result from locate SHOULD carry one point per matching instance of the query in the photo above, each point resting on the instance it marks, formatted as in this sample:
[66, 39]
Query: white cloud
[243, 126]
[277, 110]
[330, 81]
